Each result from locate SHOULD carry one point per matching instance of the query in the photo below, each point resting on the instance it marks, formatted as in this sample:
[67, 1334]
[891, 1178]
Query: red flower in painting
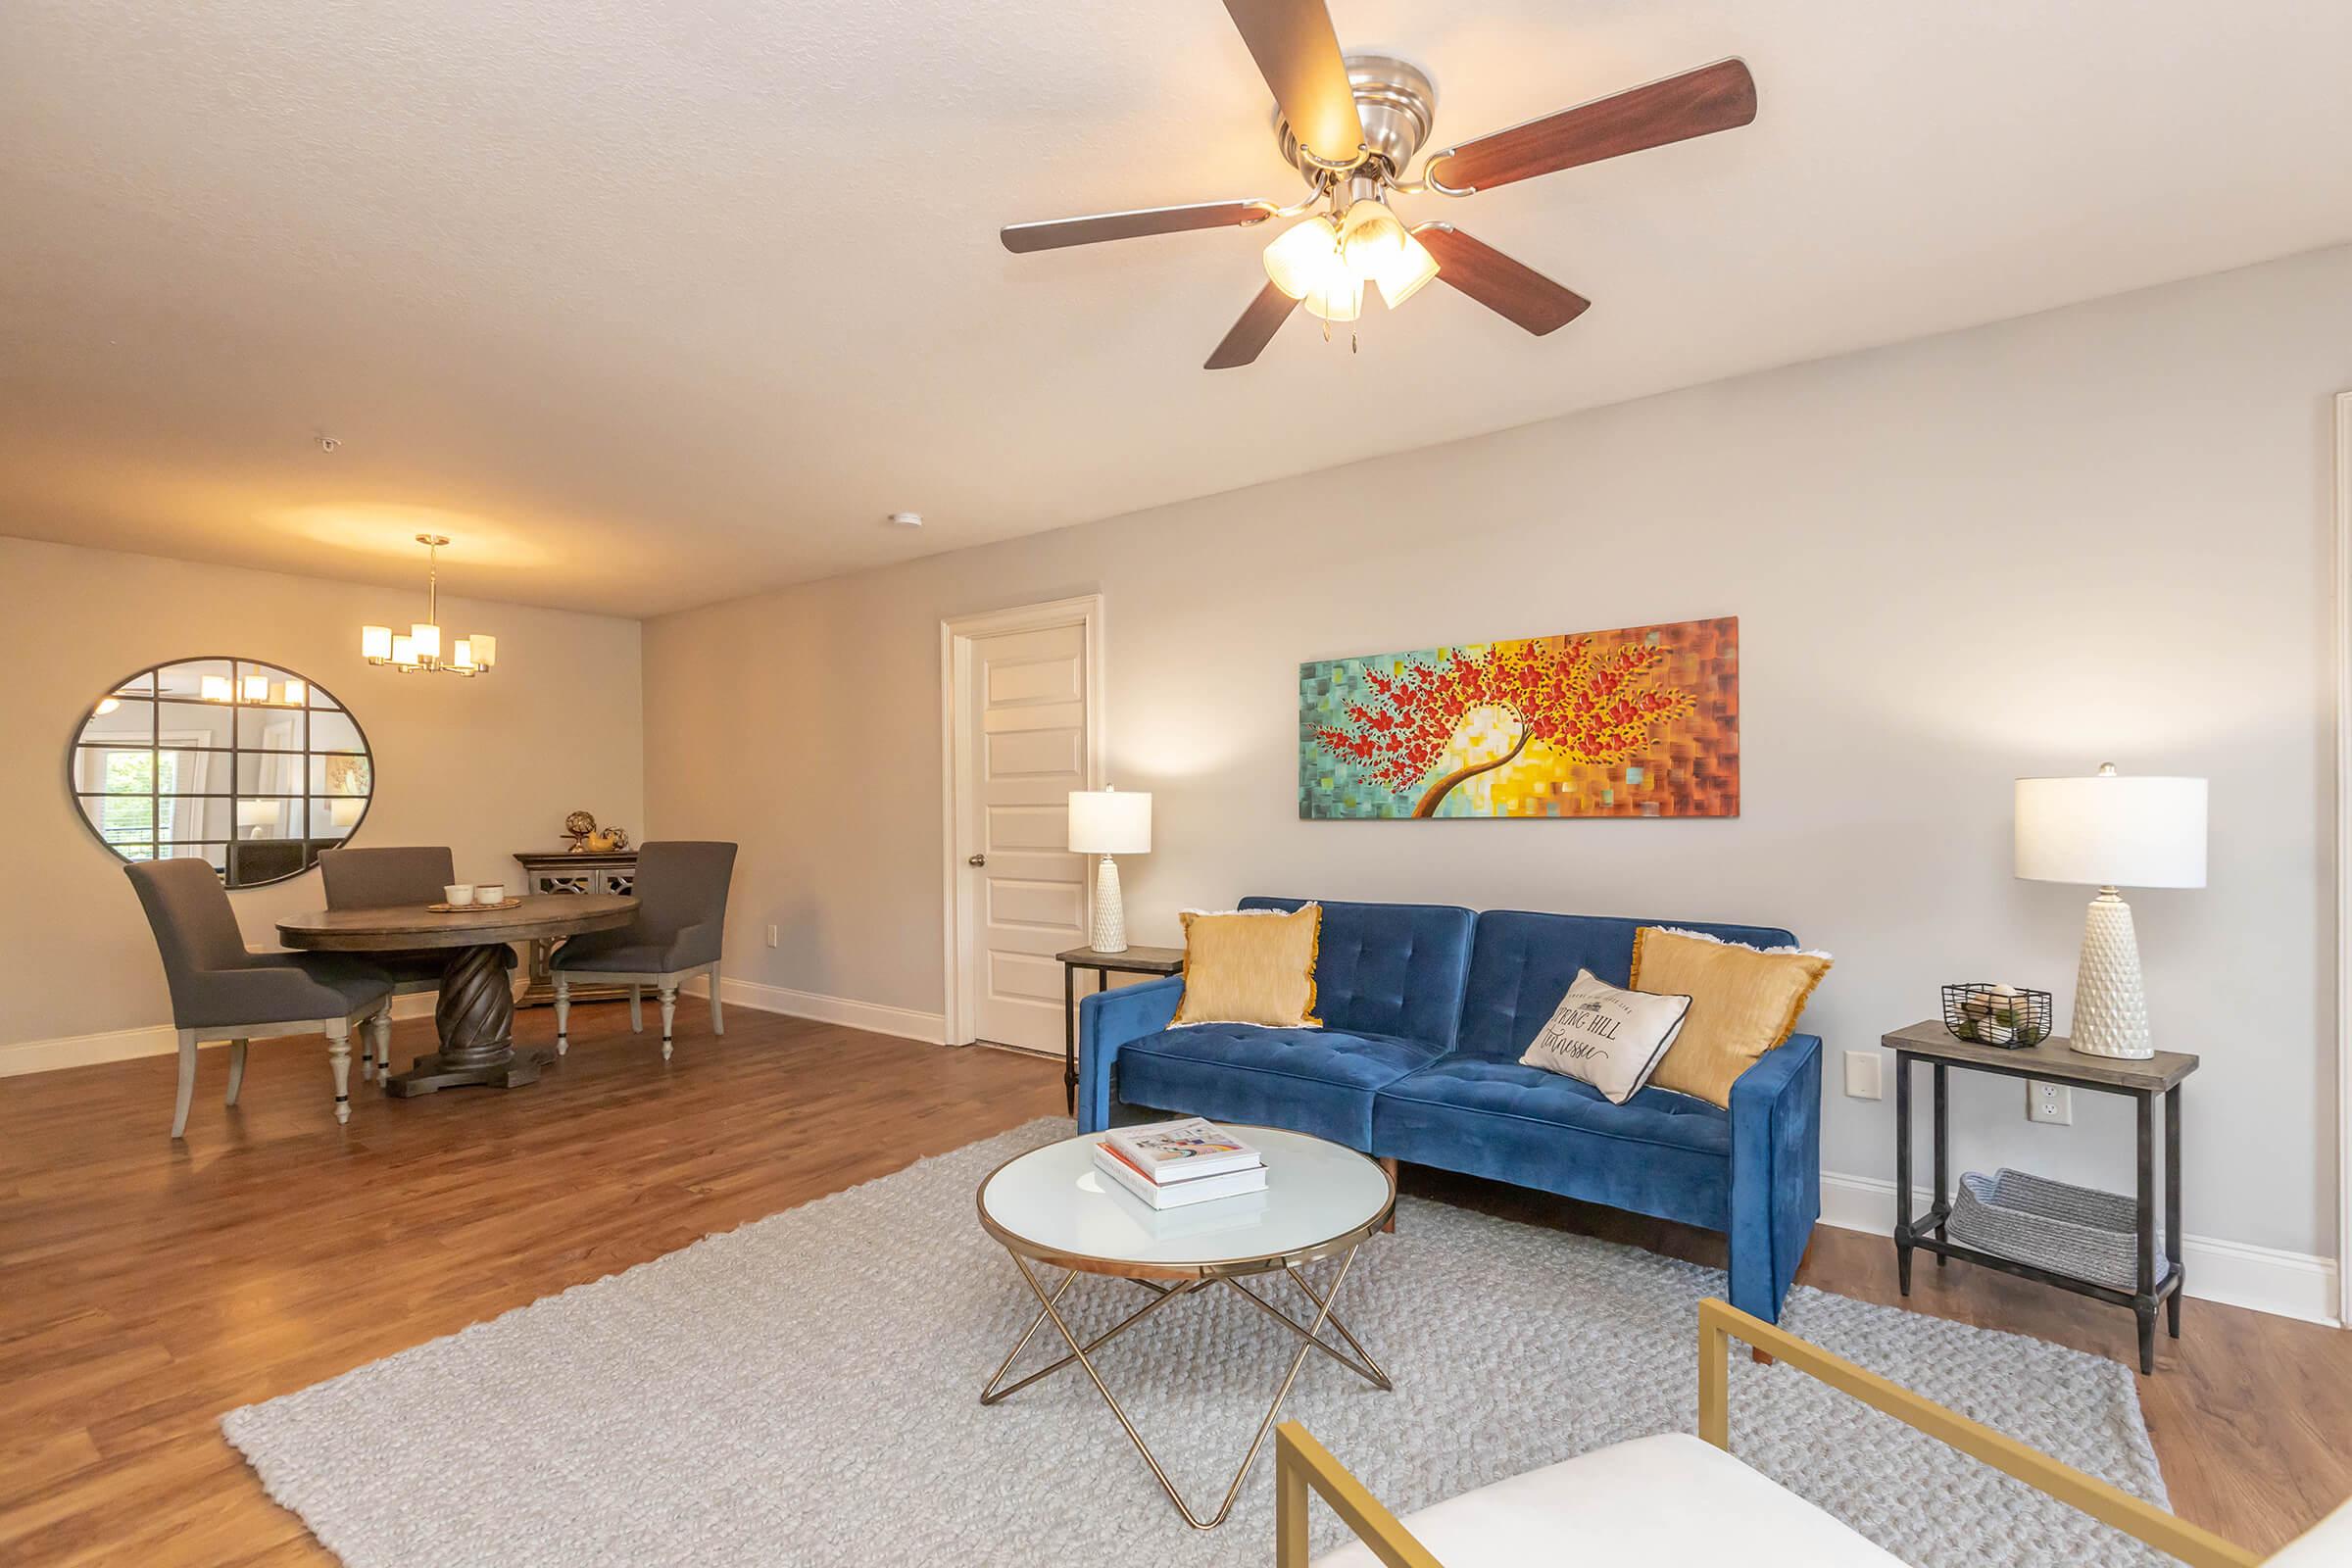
[1586, 704]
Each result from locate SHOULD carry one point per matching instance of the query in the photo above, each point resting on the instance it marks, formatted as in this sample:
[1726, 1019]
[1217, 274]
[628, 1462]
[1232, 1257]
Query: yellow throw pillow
[1744, 1001]
[1251, 966]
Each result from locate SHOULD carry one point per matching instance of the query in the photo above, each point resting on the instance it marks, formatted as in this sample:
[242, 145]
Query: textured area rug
[805, 1390]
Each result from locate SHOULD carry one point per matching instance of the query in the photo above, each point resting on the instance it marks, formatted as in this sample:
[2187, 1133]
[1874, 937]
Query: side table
[1134, 961]
[2051, 1061]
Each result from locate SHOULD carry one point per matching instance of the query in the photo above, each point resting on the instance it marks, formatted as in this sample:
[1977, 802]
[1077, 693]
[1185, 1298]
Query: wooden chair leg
[718, 1018]
[187, 1082]
[379, 1030]
[563, 1013]
[669, 1013]
[338, 1063]
[636, 1008]
[237, 1070]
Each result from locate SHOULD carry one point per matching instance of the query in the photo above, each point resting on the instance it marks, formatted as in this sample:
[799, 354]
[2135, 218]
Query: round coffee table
[1051, 1206]
[475, 1012]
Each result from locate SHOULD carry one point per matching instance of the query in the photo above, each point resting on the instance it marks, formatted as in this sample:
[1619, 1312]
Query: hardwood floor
[147, 1287]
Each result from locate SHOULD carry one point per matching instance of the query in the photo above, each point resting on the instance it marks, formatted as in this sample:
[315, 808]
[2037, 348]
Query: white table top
[1320, 1199]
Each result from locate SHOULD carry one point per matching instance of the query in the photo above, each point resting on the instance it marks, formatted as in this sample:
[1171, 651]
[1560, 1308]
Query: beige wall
[487, 767]
[2097, 534]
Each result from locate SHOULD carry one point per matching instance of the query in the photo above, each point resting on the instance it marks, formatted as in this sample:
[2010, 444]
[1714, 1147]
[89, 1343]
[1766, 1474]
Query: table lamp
[2108, 832]
[1106, 822]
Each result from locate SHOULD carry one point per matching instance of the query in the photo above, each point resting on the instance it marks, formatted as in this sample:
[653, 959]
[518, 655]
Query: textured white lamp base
[1110, 912]
[2111, 1012]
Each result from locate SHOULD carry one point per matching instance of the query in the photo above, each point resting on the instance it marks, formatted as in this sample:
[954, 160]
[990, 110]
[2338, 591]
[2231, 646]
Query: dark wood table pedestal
[474, 1018]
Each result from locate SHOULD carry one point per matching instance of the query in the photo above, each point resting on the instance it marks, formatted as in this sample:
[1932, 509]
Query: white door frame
[955, 634]
[2343, 855]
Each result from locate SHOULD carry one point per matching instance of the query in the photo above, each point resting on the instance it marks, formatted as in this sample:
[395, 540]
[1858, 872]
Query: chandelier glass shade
[1325, 263]
[420, 648]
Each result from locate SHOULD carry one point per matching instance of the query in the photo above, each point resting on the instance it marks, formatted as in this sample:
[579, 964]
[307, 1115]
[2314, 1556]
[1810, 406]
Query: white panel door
[1025, 697]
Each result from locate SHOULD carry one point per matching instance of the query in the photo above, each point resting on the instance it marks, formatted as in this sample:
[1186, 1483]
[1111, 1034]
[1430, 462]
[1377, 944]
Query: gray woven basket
[2053, 1225]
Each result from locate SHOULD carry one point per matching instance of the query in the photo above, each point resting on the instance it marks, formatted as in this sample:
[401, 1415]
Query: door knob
[977, 860]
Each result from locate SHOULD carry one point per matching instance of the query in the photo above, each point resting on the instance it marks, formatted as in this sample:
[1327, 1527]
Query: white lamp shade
[259, 813]
[2112, 831]
[1110, 822]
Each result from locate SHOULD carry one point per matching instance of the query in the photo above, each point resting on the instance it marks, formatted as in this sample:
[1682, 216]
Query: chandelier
[419, 647]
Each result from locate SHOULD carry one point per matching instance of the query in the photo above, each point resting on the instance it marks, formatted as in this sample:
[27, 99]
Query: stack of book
[1170, 1164]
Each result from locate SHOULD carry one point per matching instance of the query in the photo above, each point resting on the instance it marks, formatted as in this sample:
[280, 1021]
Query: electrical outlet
[2050, 1103]
[1863, 1070]
[771, 936]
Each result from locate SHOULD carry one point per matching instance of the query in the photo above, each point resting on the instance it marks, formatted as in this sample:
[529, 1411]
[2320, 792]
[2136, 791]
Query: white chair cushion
[1668, 1502]
[2325, 1545]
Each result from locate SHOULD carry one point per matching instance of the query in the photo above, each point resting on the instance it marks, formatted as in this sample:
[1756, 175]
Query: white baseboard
[2264, 1279]
[86, 1051]
[905, 1023]
[121, 1045]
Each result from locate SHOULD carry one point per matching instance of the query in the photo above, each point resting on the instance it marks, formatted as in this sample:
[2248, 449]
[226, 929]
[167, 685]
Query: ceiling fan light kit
[1350, 124]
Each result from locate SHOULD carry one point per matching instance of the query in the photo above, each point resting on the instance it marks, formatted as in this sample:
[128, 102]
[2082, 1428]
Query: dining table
[474, 1015]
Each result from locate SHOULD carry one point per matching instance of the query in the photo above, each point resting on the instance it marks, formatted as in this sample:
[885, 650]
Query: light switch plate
[1864, 1072]
[771, 936]
[2050, 1103]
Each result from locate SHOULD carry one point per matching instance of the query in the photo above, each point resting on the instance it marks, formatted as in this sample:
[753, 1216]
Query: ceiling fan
[1350, 124]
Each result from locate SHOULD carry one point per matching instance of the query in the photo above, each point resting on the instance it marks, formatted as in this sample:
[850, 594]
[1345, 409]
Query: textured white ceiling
[651, 304]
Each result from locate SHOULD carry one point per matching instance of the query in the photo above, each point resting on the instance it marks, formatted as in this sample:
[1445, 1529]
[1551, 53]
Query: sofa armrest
[1108, 1020]
[1776, 1173]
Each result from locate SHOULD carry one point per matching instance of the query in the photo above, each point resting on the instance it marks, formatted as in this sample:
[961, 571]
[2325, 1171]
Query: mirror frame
[234, 751]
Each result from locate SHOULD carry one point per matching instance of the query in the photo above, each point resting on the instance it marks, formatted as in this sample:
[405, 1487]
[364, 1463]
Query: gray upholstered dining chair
[220, 989]
[681, 923]
[389, 878]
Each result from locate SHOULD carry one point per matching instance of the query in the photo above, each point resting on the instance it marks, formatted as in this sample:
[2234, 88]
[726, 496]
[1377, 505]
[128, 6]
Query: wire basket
[1991, 1015]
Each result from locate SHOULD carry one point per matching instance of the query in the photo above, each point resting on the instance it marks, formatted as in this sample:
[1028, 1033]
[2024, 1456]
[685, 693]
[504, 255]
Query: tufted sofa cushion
[1658, 1153]
[1318, 1081]
[1523, 965]
[1391, 968]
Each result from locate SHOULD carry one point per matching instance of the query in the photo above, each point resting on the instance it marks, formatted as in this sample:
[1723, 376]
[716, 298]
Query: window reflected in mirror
[248, 766]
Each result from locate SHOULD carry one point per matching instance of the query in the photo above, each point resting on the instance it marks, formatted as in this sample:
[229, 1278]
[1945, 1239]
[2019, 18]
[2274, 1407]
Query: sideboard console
[568, 871]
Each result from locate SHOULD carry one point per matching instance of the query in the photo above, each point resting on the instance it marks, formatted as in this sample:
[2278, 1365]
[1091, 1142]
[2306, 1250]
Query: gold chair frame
[1301, 1465]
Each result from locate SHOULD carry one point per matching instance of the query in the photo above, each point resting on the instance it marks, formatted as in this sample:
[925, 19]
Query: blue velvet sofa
[1425, 1009]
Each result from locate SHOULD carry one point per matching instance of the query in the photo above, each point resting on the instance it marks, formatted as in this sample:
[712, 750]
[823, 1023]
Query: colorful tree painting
[1547, 704]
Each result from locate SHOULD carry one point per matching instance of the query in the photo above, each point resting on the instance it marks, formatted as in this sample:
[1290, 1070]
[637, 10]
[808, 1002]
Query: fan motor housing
[1396, 101]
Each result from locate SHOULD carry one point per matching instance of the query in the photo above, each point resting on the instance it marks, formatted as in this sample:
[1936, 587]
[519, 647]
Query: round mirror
[243, 765]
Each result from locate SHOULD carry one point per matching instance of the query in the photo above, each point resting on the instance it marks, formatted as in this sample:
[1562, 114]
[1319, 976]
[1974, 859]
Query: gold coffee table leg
[1310, 1338]
[1161, 1296]
[1363, 1367]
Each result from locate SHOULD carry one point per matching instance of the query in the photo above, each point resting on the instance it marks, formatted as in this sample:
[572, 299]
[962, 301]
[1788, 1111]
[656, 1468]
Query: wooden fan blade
[1297, 52]
[1717, 97]
[1021, 238]
[1515, 292]
[1255, 330]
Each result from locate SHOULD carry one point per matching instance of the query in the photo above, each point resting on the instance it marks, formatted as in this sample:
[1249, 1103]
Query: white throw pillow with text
[1608, 1036]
